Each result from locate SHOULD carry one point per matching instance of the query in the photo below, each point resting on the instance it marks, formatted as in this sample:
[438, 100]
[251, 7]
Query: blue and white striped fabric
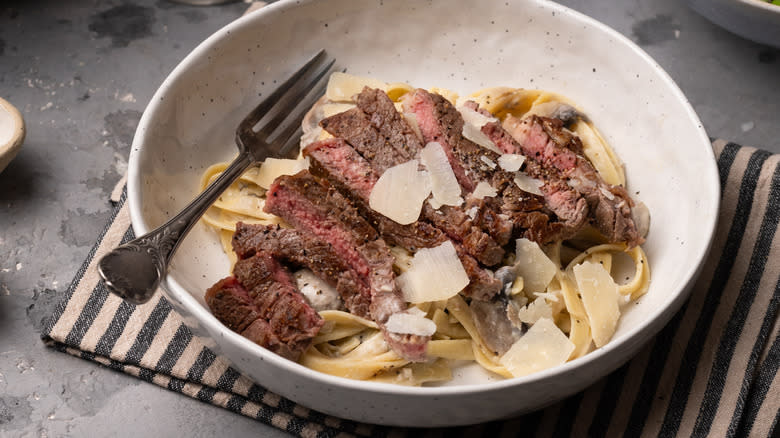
[712, 371]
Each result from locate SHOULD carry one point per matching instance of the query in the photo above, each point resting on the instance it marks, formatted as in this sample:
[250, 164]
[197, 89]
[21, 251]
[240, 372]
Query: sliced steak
[337, 163]
[263, 304]
[384, 139]
[549, 144]
[357, 129]
[440, 121]
[231, 304]
[442, 126]
[341, 166]
[567, 204]
[300, 249]
[323, 212]
[389, 123]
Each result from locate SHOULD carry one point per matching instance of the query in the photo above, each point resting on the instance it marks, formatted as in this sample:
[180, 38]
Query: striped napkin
[712, 371]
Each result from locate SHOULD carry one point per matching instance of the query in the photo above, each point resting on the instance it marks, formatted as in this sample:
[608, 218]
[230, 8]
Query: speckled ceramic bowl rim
[9, 149]
[775, 9]
[638, 333]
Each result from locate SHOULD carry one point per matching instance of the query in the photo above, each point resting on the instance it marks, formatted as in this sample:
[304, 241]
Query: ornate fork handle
[134, 270]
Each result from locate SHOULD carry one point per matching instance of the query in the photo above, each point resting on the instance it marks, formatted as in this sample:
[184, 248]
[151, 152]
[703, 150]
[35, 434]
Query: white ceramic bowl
[462, 45]
[11, 132]
[755, 20]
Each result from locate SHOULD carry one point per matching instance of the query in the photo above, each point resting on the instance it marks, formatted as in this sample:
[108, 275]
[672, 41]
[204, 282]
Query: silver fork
[134, 270]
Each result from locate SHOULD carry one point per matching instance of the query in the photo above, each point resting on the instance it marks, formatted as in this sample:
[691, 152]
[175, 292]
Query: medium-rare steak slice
[385, 139]
[440, 121]
[305, 250]
[567, 204]
[262, 303]
[356, 128]
[546, 142]
[337, 163]
[312, 208]
[388, 122]
[341, 166]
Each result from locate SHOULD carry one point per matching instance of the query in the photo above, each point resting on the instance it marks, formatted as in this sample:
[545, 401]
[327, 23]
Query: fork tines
[276, 120]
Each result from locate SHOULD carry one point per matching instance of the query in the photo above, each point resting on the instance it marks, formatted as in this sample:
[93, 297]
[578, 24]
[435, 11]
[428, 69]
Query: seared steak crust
[568, 205]
[440, 121]
[323, 212]
[263, 304]
[547, 142]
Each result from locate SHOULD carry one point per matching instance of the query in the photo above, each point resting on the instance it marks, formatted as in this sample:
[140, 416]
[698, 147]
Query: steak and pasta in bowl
[419, 230]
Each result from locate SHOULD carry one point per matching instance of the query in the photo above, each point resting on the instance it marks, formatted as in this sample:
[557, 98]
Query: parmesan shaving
[411, 119]
[434, 274]
[607, 194]
[342, 86]
[320, 294]
[528, 184]
[483, 190]
[534, 311]
[400, 192]
[641, 216]
[410, 322]
[490, 163]
[534, 266]
[444, 185]
[511, 162]
[333, 108]
[473, 121]
[543, 346]
[600, 298]
[275, 167]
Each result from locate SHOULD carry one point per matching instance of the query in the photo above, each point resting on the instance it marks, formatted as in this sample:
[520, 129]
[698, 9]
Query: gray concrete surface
[81, 72]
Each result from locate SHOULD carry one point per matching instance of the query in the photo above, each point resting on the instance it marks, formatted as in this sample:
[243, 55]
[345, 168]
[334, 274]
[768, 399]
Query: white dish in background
[755, 20]
[190, 125]
[11, 132]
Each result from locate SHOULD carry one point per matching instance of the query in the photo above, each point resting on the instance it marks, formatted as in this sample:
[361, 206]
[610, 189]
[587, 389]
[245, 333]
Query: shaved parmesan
[330, 109]
[543, 346]
[434, 274]
[472, 212]
[310, 137]
[275, 167]
[474, 117]
[490, 163]
[511, 162]
[342, 86]
[411, 323]
[600, 296]
[534, 266]
[482, 190]
[444, 185]
[528, 184]
[320, 294]
[400, 192]
[473, 121]
[607, 194]
[534, 311]
[411, 119]
[641, 216]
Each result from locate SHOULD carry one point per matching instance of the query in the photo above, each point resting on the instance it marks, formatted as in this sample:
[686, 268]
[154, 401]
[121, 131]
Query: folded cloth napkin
[712, 371]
